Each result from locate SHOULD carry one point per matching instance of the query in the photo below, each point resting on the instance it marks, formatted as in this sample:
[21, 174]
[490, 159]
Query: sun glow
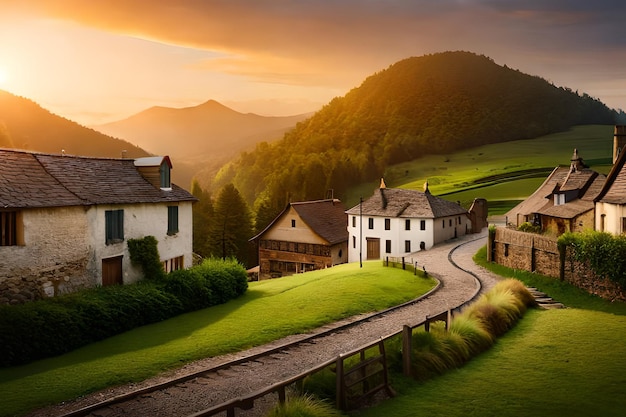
[4, 76]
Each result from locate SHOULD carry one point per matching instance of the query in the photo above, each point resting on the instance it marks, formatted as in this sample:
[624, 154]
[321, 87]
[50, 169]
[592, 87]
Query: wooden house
[305, 236]
[65, 221]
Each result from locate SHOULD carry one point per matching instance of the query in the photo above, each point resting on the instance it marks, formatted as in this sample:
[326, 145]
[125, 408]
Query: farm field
[503, 173]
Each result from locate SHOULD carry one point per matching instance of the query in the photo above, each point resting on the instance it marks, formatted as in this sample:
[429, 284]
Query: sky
[98, 61]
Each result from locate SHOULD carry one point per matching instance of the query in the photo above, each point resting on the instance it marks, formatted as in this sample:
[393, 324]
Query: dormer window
[164, 170]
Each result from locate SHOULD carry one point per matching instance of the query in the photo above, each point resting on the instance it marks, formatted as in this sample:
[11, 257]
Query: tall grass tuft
[471, 331]
[304, 406]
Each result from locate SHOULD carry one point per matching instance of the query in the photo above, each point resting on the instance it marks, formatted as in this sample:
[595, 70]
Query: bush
[58, 325]
[304, 406]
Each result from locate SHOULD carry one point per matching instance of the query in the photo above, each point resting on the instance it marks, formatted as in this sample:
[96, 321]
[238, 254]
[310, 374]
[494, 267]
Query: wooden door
[373, 248]
[112, 271]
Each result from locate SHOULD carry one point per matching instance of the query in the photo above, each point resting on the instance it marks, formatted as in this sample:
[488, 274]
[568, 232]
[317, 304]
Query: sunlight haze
[100, 61]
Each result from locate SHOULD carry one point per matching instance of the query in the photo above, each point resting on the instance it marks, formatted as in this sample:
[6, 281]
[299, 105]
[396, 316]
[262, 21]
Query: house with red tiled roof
[65, 221]
[564, 202]
[396, 222]
[610, 215]
[305, 236]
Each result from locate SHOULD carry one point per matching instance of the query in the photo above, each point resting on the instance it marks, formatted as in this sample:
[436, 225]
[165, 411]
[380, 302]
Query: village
[66, 221]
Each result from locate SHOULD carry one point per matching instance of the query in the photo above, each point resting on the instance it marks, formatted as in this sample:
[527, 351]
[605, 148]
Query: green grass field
[268, 311]
[566, 362]
[503, 173]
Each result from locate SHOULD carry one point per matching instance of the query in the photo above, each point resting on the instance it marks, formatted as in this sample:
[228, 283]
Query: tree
[231, 227]
[202, 218]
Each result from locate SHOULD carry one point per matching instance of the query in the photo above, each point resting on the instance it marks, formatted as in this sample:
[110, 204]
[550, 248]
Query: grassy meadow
[503, 173]
[267, 311]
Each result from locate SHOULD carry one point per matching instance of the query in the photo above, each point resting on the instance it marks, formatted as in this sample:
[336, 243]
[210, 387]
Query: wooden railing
[357, 376]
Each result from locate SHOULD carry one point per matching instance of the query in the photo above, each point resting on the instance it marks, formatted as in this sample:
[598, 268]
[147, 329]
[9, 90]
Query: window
[293, 222]
[354, 242]
[407, 246]
[353, 221]
[114, 226]
[422, 224]
[602, 222]
[443, 223]
[450, 222]
[407, 224]
[370, 223]
[8, 228]
[388, 246]
[172, 220]
[623, 225]
[164, 171]
[387, 224]
[173, 264]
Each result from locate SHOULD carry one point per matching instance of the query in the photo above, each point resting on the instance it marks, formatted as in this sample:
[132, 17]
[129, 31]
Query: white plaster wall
[612, 220]
[141, 220]
[52, 236]
[397, 234]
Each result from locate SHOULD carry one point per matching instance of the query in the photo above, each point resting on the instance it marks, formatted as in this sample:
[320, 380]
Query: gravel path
[457, 287]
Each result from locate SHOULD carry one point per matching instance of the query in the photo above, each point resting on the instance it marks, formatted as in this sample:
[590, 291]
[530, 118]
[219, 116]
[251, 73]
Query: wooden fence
[355, 382]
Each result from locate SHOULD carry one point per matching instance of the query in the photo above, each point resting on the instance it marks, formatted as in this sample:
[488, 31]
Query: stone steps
[543, 300]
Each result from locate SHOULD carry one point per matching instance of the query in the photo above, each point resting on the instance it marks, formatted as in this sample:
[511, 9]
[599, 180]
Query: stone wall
[52, 259]
[540, 254]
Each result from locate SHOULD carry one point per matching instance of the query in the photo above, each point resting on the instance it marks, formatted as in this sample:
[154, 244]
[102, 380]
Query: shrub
[144, 252]
[57, 325]
[529, 228]
[304, 406]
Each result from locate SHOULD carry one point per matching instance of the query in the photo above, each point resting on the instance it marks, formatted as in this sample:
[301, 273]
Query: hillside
[26, 125]
[419, 106]
[206, 136]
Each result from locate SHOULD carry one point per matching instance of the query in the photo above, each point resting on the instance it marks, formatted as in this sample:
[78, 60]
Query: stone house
[564, 202]
[305, 236]
[65, 221]
[397, 222]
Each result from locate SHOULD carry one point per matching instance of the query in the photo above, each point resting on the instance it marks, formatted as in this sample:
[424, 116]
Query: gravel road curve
[457, 287]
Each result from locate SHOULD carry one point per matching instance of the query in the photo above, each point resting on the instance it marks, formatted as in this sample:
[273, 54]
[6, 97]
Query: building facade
[65, 221]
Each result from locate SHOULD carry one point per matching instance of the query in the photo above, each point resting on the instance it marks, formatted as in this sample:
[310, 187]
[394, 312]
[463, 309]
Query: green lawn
[269, 310]
[566, 362]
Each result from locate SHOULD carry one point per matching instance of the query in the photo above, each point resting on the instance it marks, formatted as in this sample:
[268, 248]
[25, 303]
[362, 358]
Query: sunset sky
[99, 61]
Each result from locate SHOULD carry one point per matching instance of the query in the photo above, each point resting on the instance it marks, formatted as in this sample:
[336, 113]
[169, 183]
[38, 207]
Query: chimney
[619, 140]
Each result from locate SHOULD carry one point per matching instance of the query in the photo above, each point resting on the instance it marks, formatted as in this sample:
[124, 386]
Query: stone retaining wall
[540, 254]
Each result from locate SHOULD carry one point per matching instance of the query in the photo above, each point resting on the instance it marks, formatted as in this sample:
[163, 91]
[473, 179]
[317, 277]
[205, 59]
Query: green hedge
[57, 325]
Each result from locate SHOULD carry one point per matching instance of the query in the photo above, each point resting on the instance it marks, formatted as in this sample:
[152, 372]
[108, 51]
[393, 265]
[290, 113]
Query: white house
[396, 222]
[65, 221]
[610, 203]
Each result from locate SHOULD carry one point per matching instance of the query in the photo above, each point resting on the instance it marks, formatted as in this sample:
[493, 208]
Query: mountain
[207, 135]
[432, 104]
[26, 125]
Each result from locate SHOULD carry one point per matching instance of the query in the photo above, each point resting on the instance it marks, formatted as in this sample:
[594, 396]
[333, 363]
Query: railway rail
[247, 372]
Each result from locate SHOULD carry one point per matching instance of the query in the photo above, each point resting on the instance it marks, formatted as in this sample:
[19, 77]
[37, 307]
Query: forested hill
[26, 125]
[422, 105]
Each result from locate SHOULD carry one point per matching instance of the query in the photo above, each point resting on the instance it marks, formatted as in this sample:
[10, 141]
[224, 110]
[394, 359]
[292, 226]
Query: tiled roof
[396, 202]
[43, 180]
[614, 190]
[587, 182]
[327, 218]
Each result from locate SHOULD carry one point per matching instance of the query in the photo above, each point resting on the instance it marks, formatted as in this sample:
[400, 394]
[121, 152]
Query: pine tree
[231, 227]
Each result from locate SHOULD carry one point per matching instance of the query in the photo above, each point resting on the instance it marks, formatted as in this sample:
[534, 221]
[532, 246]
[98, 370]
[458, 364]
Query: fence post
[403, 265]
[341, 395]
[407, 348]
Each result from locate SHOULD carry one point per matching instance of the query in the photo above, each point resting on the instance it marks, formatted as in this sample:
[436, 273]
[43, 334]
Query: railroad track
[249, 372]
